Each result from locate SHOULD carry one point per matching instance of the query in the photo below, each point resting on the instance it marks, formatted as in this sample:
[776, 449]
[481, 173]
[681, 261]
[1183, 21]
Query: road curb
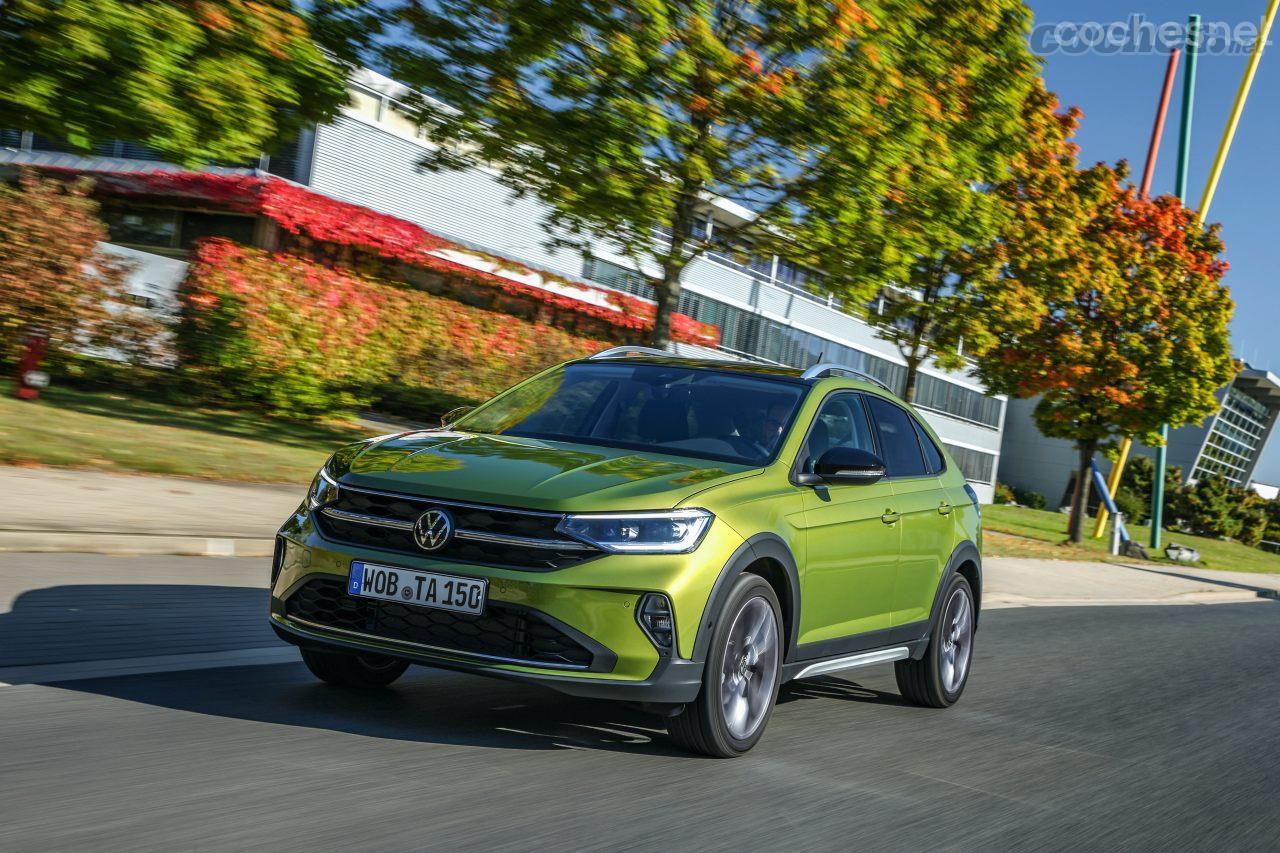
[130, 544]
[1002, 601]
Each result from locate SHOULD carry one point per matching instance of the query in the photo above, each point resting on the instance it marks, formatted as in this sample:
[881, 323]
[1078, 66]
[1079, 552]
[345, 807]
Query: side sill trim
[823, 667]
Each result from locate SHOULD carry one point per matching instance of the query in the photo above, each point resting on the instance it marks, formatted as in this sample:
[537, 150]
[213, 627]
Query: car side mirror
[452, 416]
[846, 465]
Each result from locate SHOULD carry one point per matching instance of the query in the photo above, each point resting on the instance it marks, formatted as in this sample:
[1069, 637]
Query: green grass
[124, 432]
[1022, 532]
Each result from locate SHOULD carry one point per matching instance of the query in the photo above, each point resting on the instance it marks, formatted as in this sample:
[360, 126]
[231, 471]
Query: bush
[415, 403]
[1028, 498]
[1214, 507]
[299, 337]
[81, 371]
[1006, 494]
[1130, 503]
[52, 276]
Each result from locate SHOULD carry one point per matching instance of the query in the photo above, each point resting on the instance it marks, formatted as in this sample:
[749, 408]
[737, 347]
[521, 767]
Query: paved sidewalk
[1024, 582]
[50, 509]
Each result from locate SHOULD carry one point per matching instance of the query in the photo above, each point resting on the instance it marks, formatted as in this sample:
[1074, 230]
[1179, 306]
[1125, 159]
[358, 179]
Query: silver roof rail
[818, 371]
[619, 352]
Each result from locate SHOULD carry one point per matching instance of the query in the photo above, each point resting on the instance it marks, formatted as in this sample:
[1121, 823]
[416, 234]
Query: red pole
[1157, 132]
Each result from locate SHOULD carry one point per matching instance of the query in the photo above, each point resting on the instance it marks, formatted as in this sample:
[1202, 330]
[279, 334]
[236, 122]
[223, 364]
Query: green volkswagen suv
[679, 534]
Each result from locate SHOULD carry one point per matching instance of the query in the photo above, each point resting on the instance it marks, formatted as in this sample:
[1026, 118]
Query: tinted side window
[899, 446]
[932, 455]
[841, 422]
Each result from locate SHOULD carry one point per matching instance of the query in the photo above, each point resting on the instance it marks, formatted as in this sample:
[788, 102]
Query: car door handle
[945, 509]
[890, 517]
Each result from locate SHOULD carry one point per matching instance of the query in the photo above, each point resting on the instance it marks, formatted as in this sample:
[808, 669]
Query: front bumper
[595, 601]
[673, 681]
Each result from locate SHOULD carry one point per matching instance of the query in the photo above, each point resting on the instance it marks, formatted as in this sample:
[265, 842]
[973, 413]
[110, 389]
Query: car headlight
[672, 532]
[323, 490]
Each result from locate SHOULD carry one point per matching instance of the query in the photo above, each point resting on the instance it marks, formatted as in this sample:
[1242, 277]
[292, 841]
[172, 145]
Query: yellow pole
[1210, 190]
[1228, 136]
[1113, 482]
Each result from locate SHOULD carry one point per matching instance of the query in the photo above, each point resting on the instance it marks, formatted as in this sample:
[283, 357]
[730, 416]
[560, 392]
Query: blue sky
[1118, 91]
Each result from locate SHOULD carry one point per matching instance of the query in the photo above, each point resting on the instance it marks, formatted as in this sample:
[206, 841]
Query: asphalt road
[1082, 728]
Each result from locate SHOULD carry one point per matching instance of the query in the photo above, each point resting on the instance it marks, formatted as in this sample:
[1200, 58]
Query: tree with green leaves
[1133, 317]
[195, 80]
[826, 121]
[940, 310]
[1134, 494]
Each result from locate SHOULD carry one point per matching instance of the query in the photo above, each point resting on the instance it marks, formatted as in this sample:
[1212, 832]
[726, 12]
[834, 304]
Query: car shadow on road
[1206, 576]
[88, 622]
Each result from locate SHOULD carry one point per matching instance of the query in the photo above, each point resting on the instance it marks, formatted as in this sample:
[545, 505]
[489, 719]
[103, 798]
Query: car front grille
[504, 633]
[483, 535]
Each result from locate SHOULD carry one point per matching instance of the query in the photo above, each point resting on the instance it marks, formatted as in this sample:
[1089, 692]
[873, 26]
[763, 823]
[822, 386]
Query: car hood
[533, 473]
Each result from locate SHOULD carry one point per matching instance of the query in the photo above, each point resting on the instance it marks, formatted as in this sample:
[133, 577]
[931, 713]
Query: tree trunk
[909, 386]
[667, 294]
[1084, 483]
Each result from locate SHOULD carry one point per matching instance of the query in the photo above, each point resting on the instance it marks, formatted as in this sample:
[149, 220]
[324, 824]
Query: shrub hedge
[298, 337]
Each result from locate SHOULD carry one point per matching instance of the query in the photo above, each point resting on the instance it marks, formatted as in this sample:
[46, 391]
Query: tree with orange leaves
[1119, 316]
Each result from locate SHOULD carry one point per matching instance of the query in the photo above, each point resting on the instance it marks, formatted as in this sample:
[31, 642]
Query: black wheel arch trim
[965, 552]
[762, 546]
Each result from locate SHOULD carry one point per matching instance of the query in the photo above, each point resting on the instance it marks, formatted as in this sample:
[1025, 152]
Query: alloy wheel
[957, 641]
[750, 668]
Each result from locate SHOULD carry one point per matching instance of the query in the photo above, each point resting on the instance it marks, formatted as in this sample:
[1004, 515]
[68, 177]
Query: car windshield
[706, 413]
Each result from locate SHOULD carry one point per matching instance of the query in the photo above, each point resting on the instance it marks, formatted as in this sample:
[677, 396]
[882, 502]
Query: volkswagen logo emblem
[432, 529]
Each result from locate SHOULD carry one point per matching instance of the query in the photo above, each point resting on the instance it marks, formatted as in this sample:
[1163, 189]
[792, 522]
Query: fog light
[656, 620]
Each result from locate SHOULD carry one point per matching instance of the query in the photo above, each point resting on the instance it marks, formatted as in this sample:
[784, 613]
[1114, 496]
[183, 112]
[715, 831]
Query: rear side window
[899, 445]
[932, 455]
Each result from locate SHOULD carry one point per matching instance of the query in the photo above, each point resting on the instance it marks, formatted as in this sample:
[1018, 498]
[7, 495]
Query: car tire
[345, 669]
[938, 679]
[741, 677]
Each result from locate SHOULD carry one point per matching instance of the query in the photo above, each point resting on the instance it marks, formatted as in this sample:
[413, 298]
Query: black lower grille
[503, 631]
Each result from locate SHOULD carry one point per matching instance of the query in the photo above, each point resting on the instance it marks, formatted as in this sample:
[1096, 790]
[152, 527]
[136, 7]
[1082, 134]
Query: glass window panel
[899, 446]
[142, 226]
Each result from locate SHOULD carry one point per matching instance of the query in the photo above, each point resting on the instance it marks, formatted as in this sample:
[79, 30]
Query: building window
[974, 464]
[952, 399]
[198, 226]
[142, 227]
[399, 118]
[364, 103]
[1235, 437]
[173, 232]
[617, 277]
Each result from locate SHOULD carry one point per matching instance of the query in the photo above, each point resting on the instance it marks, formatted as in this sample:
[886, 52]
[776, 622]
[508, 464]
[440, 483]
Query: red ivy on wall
[253, 324]
[317, 217]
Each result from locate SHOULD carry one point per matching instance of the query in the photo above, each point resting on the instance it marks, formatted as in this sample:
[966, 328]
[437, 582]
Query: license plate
[426, 589]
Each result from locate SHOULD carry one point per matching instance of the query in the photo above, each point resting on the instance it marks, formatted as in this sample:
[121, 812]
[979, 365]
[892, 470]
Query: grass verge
[125, 432]
[1022, 532]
